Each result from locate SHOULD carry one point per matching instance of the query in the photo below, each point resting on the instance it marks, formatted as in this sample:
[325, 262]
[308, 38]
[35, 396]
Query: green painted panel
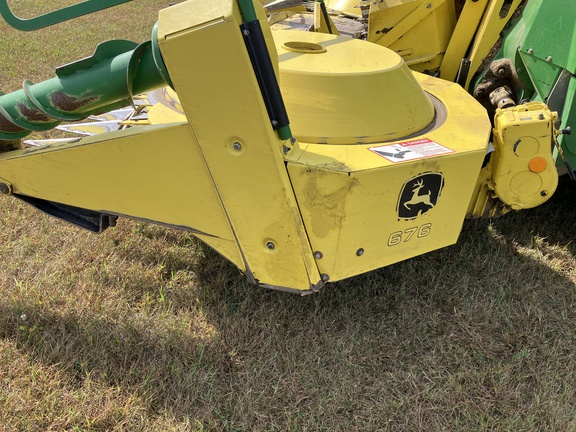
[543, 42]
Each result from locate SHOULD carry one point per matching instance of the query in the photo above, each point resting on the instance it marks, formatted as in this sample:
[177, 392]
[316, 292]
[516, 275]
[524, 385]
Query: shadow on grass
[555, 221]
[479, 335]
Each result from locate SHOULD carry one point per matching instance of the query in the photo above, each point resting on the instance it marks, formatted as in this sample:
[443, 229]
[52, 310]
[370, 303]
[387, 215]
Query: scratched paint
[325, 198]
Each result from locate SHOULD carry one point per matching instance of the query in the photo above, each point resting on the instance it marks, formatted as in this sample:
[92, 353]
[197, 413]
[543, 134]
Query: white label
[411, 150]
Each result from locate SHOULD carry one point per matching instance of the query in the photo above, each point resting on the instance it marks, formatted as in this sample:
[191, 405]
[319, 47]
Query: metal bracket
[64, 14]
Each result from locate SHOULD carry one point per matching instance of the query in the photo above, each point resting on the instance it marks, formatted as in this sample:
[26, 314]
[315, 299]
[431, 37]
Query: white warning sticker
[411, 150]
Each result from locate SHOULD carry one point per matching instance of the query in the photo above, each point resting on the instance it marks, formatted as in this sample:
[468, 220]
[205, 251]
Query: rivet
[530, 51]
[544, 193]
[549, 59]
[325, 277]
[360, 252]
[318, 255]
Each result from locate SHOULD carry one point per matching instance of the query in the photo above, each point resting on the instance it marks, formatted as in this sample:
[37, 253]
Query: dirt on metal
[69, 103]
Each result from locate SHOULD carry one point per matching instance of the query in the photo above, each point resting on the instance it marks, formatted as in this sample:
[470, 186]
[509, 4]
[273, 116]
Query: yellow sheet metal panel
[155, 173]
[367, 206]
[347, 7]
[417, 30]
[165, 107]
[222, 101]
[462, 38]
[346, 91]
[355, 220]
[273, 7]
[384, 15]
[162, 114]
[192, 15]
[187, 16]
[322, 21]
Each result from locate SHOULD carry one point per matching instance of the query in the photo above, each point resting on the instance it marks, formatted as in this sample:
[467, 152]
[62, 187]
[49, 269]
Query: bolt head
[502, 72]
[325, 277]
[237, 146]
[318, 255]
[4, 188]
[270, 245]
[360, 252]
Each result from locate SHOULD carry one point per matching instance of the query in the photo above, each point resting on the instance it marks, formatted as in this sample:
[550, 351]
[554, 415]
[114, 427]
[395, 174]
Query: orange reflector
[538, 164]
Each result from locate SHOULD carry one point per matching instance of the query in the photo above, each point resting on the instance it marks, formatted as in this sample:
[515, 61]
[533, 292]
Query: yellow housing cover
[339, 90]
[367, 203]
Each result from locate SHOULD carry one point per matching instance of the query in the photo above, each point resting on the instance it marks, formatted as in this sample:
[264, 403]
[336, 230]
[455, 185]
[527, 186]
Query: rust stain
[7, 126]
[32, 114]
[68, 103]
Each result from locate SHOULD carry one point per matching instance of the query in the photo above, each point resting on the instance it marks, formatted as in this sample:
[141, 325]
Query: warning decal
[411, 150]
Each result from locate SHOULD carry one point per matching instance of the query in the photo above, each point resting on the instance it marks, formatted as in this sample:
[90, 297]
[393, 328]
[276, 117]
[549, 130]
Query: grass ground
[144, 329]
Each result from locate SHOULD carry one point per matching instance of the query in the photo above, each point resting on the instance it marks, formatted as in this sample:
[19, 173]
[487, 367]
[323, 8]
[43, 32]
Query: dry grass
[143, 328]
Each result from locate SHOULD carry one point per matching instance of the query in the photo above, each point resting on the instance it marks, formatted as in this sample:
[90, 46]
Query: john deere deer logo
[417, 198]
[419, 195]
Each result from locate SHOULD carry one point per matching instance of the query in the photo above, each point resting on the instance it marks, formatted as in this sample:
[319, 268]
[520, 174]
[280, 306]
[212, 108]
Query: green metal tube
[98, 84]
[247, 10]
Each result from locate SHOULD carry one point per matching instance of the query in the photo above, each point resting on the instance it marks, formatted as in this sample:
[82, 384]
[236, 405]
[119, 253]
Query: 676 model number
[398, 237]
